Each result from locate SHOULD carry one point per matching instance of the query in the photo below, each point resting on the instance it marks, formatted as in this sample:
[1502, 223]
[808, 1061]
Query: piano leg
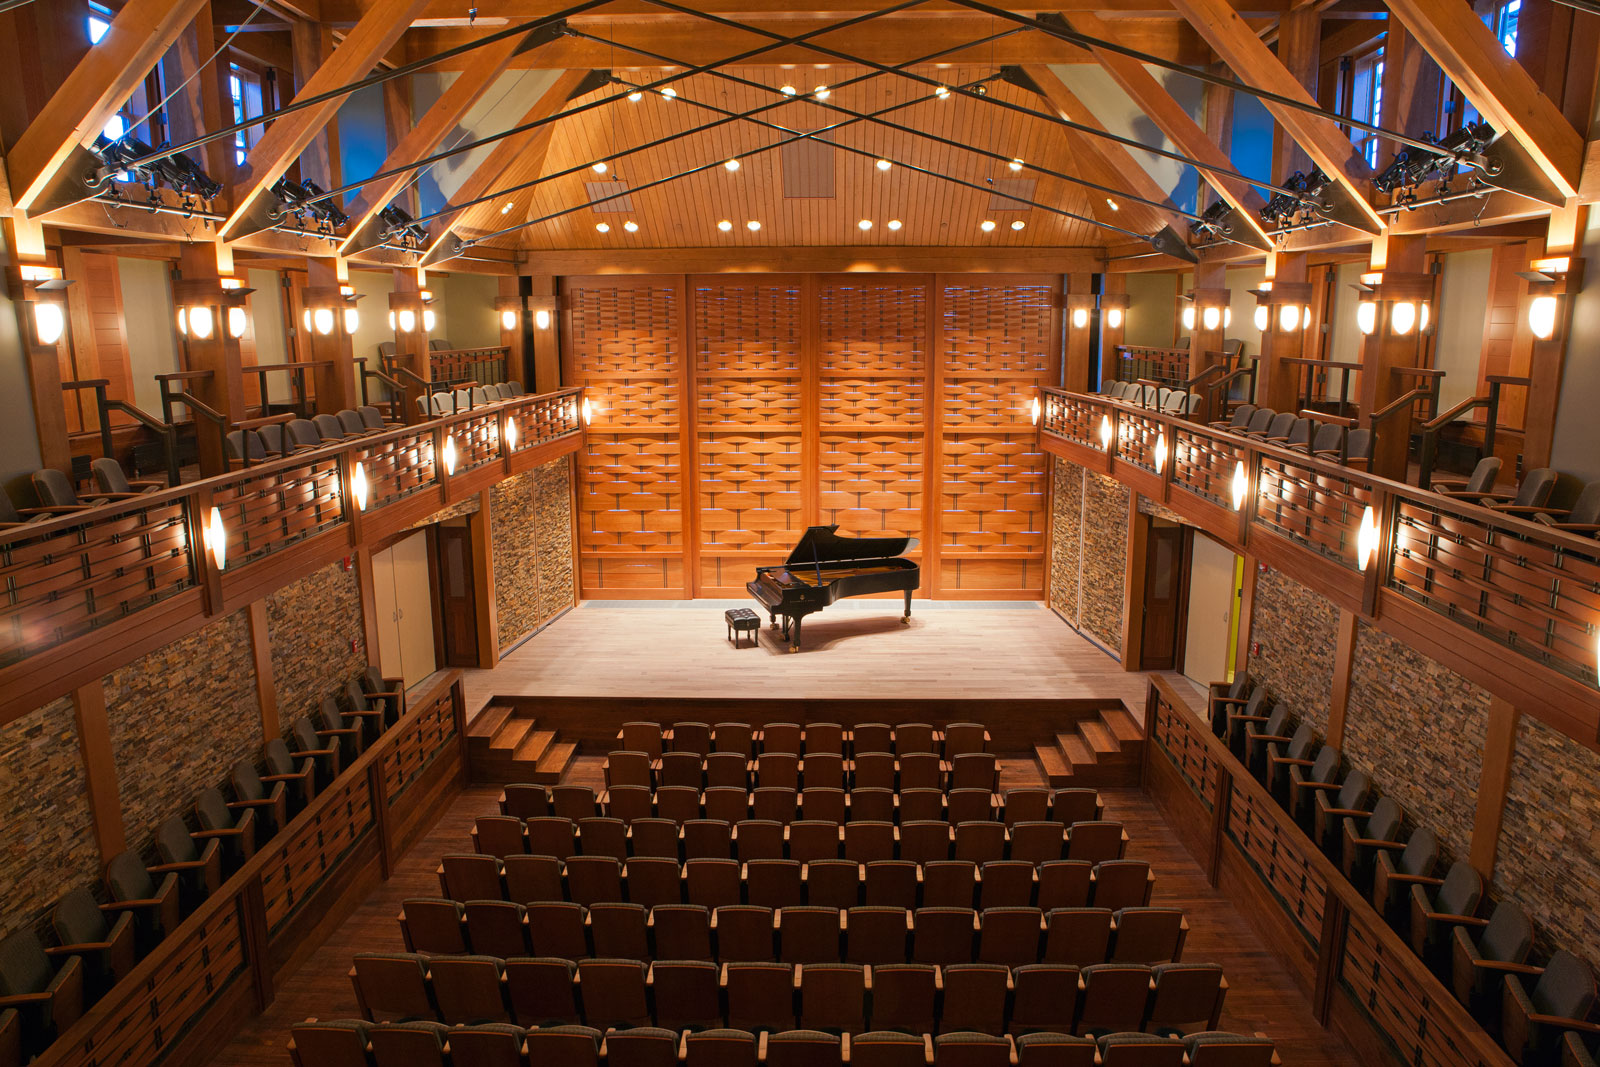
[772, 619]
[905, 620]
[794, 642]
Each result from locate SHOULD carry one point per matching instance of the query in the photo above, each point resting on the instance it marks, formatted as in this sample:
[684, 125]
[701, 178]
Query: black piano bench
[739, 620]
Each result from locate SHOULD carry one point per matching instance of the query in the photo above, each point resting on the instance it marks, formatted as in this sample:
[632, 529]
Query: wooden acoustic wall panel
[998, 345]
[299, 863]
[872, 366]
[624, 347]
[421, 738]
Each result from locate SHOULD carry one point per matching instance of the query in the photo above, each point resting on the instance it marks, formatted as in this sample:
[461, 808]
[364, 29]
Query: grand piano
[825, 567]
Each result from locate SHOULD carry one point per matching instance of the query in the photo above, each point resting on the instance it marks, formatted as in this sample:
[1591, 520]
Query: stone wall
[47, 845]
[180, 717]
[1549, 850]
[531, 526]
[1417, 728]
[1297, 632]
[1066, 538]
[317, 639]
[1105, 555]
[553, 510]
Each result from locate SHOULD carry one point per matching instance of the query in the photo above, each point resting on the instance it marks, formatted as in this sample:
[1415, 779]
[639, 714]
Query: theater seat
[903, 996]
[686, 994]
[975, 996]
[1140, 1050]
[833, 997]
[467, 989]
[1534, 1020]
[1044, 997]
[46, 999]
[883, 1048]
[1362, 840]
[570, 1046]
[270, 803]
[1453, 903]
[487, 1045]
[541, 991]
[1045, 1049]
[391, 984]
[106, 946]
[759, 995]
[720, 1048]
[1392, 878]
[964, 1049]
[1212, 1048]
[197, 863]
[334, 1043]
[433, 925]
[1479, 958]
[804, 1048]
[613, 992]
[154, 903]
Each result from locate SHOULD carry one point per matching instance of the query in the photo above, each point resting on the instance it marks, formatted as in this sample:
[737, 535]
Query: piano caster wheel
[905, 620]
[793, 649]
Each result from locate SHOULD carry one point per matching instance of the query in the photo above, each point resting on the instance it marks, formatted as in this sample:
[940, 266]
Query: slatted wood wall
[732, 411]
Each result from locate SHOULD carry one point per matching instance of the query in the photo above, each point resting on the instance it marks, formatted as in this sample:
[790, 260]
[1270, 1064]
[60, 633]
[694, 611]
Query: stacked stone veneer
[1105, 558]
[530, 521]
[1296, 631]
[317, 639]
[1066, 538]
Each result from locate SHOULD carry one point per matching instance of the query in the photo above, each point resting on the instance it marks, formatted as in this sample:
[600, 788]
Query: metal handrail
[104, 405]
[1435, 426]
[1311, 366]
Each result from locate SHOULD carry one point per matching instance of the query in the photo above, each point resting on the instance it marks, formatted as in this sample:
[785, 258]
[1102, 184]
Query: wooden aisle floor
[1261, 995]
[855, 648]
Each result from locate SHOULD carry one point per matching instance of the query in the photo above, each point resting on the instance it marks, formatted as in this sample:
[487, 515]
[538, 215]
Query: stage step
[1122, 725]
[1104, 750]
[509, 737]
[533, 748]
[487, 724]
[553, 764]
[1053, 765]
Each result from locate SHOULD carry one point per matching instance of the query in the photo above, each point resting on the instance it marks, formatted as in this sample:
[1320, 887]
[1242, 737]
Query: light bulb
[1289, 317]
[183, 321]
[725, 225]
[1366, 538]
[631, 226]
[237, 321]
[1161, 451]
[322, 320]
[588, 411]
[1211, 317]
[1015, 165]
[1263, 317]
[864, 225]
[884, 164]
[894, 224]
[450, 454]
[603, 227]
[1037, 407]
[752, 225]
[942, 92]
[987, 225]
[358, 487]
[599, 167]
[1017, 224]
[216, 539]
[408, 320]
[1240, 484]
[1105, 432]
[670, 93]
[508, 319]
[352, 320]
[1080, 318]
[1112, 204]
[1188, 317]
[821, 92]
[1367, 316]
[1402, 317]
[48, 322]
[1114, 318]
[635, 97]
[506, 208]
[511, 434]
[541, 319]
[428, 319]
[731, 165]
[787, 90]
[200, 321]
[427, 296]
[1542, 317]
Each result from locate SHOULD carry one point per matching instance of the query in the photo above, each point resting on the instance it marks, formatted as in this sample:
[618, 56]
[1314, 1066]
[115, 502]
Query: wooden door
[1165, 586]
[403, 595]
[1209, 617]
[388, 613]
[458, 602]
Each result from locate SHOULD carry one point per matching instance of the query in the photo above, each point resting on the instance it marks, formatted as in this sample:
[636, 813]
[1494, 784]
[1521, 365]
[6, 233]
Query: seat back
[1358, 446]
[974, 998]
[642, 1046]
[1535, 488]
[885, 1048]
[108, 476]
[1065, 884]
[77, 920]
[1461, 891]
[613, 992]
[55, 489]
[949, 884]
[1566, 989]
[496, 927]
[1140, 1050]
[1045, 996]
[833, 996]
[969, 1049]
[642, 737]
[540, 990]
[721, 1048]
[1006, 884]
[1301, 741]
[1385, 821]
[1242, 416]
[1328, 438]
[1147, 935]
[1114, 996]
[467, 989]
[1260, 419]
[1048, 1049]
[570, 1046]
[173, 843]
[1483, 476]
[804, 1048]
[1509, 936]
[1079, 936]
[760, 995]
[392, 984]
[1186, 993]
[302, 433]
[24, 967]
[1121, 884]
[1212, 1048]
[329, 427]
[465, 877]
[1353, 793]
[903, 996]
[128, 879]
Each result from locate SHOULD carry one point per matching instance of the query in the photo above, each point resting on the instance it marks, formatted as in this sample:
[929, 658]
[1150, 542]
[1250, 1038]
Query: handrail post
[105, 421]
[1494, 418]
[170, 439]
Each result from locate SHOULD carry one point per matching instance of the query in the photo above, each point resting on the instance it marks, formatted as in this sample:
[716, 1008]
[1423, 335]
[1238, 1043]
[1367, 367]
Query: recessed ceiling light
[724, 225]
[894, 224]
[884, 164]
[633, 227]
[942, 92]
[787, 90]
[599, 168]
[986, 225]
[821, 92]
[1018, 224]
[732, 165]
[603, 227]
[864, 224]
[753, 225]
[1113, 204]
[1015, 164]
[507, 208]
[669, 92]
[635, 97]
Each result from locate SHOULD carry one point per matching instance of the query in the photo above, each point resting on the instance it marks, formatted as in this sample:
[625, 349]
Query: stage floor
[857, 648]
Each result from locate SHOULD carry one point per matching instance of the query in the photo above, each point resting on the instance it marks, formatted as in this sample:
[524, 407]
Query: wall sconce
[1161, 451]
[429, 319]
[1080, 318]
[406, 320]
[1366, 538]
[1037, 410]
[1402, 317]
[511, 435]
[238, 322]
[1114, 318]
[1241, 483]
[352, 320]
[358, 487]
[1424, 316]
[42, 286]
[588, 411]
[1289, 317]
[541, 319]
[1115, 306]
[508, 319]
[48, 322]
[1105, 432]
[450, 454]
[1549, 280]
[1263, 317]
[215, 536]
[1541, 317]
[1367, 316]
[1188, 317]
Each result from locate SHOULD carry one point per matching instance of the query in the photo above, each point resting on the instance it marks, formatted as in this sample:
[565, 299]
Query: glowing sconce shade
[1080, 318]
[1366, 538]
[200, 322]
[1402, 317]
[1367, 316]
[1161, 452]
[511, 435]
[216, 539]
[1227, 317]
[407, 320]
[428, 319]
[1105, 432]
[508, 320]
[1114, 318]
[1305, 317]
[1263, 317]
[237, 321]
[358, 487]
[1541, 317]
[450, 454]
[1423, 317]
[1212, 318]
[1188, 317]
[541, 319]
[391, 320]
[322, 319]
[588, 411]
[1289, 317]
[352, 320]
[1037, 409]
[183, 321]
[1240, 484]
[48, 322]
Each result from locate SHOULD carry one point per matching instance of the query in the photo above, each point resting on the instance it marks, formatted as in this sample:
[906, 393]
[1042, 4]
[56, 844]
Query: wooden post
[1209, 295]
[311, 43]
[514, 330]
[335, 384]
[479, 529]
[1079, 310]
[99, 768]
[1299, 50]
[378, 800]
[1133, 586]
[257, 941]
[200, 286]
[1499, 753]
[410, 345]
[261, 656]
[542, 366]
[1343, 665]
[1277, 383]
[43, 360]
[1399, 261]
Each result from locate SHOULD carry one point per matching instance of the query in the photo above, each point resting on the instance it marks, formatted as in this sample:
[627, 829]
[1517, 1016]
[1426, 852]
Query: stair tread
[489, 720]
[1051, 761]
[534, 746]
[1075, 749]
[1098, 736]
[510, 736]
[1122, 725]
[556, 757]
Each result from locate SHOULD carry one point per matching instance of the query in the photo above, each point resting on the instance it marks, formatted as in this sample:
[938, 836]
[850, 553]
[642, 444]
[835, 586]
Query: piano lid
[821, 545]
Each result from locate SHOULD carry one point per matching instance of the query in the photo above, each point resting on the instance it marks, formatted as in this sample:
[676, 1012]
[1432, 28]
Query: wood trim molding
[1133, 585]
[1343, 663]
[480, 531]
[261, 654]
[99, 768]
[1499, 753]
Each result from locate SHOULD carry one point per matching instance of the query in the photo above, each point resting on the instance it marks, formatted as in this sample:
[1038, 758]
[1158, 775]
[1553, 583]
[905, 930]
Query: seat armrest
[1415, 879]
[264, 802]
[1350, 812]
[1291, 760]
[1509, 968]
[132, 905]
[181, 865]
[1269, 737]
[295, 777]
[201, 835]
[1367, 842]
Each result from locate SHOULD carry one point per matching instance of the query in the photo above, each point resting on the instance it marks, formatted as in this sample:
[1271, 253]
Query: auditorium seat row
[801, 934]
[1301, 433]
[355, 1043]
[786, 804]
[785, 770]
[1539, 1013]
[805, 840]
[814, 738]
[842, 997]
[785, 883]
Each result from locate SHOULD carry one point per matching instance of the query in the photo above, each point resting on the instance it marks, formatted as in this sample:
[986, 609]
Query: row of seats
[1159, 398]
[805, 840]
[1530, 500]
[814, 738]
[101, 936]
[784, 770]
[842, 997]
[355, 1043]
[681, 803]
[1325, 440]
[466, 398]
[1483, 959]
[276, 439]
[1010, 936]
[59, 496]
[780, 883]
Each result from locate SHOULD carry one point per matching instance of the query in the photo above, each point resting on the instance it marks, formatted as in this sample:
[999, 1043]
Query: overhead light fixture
[731, 165]
[507, 208]
[669, 93]
[1015, 165]
[1161, 451]
[541, 319]
[358, 486]
[1105, 433]
[1541, 317]
[884, 164]
[450, 454]
[1112, 204]
[1402, 317]
[894, 224]
[631, 226]
[987, 225]
[1241, 483]
[1080, 318]
[48, 322]
[508, 319]
[1366, 538]
[822, 92]
[603, 227]
[864, 225]
[511, 435]
[600, 167]
[942, 92]
[1017, 224]
[635, 96]
[725, 225]
[1367, 316]
[753, 225]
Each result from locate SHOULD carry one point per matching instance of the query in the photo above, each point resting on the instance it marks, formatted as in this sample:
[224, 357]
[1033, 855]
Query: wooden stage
[963, 650]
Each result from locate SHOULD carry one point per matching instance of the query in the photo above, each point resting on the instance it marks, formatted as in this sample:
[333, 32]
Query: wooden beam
[1171, 118]
[198, 107]
[1504, 93]
[1499, 753]
[1299, 50]
[348, 11]
[99, 768]
[1344, 656]
[1321, 138]
[287, 137]
[311, 46]
[826, 259]
[425, 136]
[93, 92]
[261, 656]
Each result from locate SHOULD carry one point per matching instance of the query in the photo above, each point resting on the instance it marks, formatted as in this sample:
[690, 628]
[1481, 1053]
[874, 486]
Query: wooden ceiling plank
[1503, 91]
[287, 137]
[93, 92]
[1253, 63]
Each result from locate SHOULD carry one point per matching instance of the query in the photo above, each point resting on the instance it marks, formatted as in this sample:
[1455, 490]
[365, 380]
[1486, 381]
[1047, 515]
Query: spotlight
[787, 90]
[864, 225]
[1015, 165]
[725, 225]
[669, 93]
[894, 224]
[635, 97]
[731, 165]
[603, 227]
[600, 167]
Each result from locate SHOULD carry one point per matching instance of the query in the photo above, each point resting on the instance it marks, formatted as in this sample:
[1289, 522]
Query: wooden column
[1411, 85]
[481, 534]
[1277, 383]
[1299, 49]
[1343, 664]
[397, 123]
[1547, 357]
[198, 107]
[542, 365]
[1399, 260]
[99, 768]
[1115, 307]
[514, 329]
[1209, 292]
[335, 384]
[26, 244]
[1218, 104]
[200, 285]
[1078, 361]
[261, 656]
[410, 346]
[1247, 607]
[311, 44]
[1499, 752]
[1133, 586]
